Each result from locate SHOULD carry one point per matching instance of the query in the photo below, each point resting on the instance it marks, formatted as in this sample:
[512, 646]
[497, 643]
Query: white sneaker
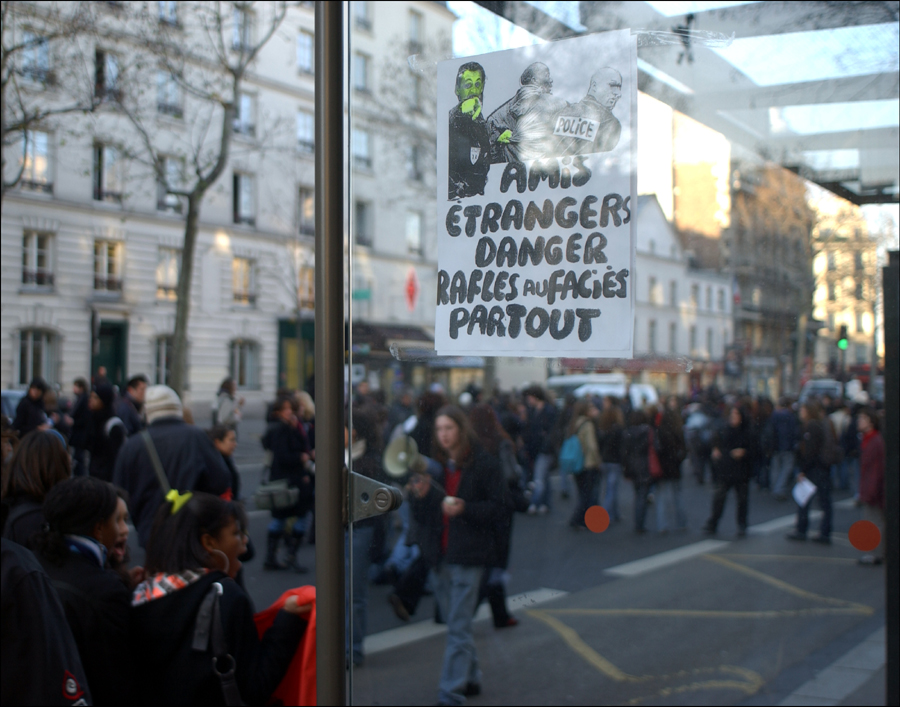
[542, 510]
[532, 509]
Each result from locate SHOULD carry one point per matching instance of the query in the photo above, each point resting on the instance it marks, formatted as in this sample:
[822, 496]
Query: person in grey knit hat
[187, 455]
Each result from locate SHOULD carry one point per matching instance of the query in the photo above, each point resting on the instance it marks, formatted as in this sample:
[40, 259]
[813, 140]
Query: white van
[640, 394]
[566, 385]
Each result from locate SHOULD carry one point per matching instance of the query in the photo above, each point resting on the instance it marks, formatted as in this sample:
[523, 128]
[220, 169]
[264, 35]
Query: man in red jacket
[871, 477]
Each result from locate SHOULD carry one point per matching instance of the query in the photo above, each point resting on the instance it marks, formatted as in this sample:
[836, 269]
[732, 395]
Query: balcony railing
[40, 278]
[107, 284]
[106, 195]
[166, 292]
[173, 109]
[244, 219]
[32, 185]
[248, 299]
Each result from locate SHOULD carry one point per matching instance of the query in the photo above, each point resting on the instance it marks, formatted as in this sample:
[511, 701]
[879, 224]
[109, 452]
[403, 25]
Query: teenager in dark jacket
[610, 429]
[188, 458]
[130, 405]
[816, 469]
[469, 503]
[82, 525]
[30, 413]
[290, 460]
[540, 446]
[106, 434]
[38, 464]
[195, 544]
[81, 421]
[635, 453]
[671, 451]
[732, 457]
[39, 658]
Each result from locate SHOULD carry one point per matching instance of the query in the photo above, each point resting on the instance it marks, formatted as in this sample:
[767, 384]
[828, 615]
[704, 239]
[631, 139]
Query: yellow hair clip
[178, 499]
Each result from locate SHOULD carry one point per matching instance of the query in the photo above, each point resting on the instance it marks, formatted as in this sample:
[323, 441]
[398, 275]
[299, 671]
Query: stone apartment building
[91, 246]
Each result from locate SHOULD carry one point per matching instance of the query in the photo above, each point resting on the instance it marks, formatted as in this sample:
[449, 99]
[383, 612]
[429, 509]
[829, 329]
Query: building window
[695, 295]
[107, 174]
[35, 57]
[414, 163]
[361, 72]
[362, 149]
[720, 296]
[709, 343]
[243, 281]
[858, 263]
[106, 76]
[165, 353]
[245, 115]
[305, 46]
[414, 233]
[307, 215]
[416, 23]
[108, 266]
[38, 356]
[362, 223]
[651, 290]
[306, 287]
[831, 321]
[243, 199]
[37, 259]
[693, 341]
[168, 265]
[862, 354]
[35, 162]
[168, 12]
[673, 338]
[651, 336]
[832, 261]
[832, 292]
[242, 31]
[673, 293]
[362, 16]
[306, 131]
[244, 363]
[709, 298]
[858, 291]
[173, 167]
[859, 323]
[168, 94]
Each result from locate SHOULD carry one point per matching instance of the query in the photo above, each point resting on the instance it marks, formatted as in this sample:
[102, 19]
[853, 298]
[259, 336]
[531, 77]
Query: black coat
[163, 630]
[25, 520]
[98, 609]
[539, 431]
[104, 442]
[81, 420]
[635, 451]
[127, 412]
[189, 459]
[610, 444]
[37, 651]
[729, 469]
[670, 449]
[29, 415]
[809, 459]
[471, 534]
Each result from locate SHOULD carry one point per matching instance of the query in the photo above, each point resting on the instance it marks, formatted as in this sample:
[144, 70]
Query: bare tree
[43, 74]
[192, 67]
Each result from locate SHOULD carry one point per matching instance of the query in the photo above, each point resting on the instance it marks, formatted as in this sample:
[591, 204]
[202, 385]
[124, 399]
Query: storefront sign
[535, 219]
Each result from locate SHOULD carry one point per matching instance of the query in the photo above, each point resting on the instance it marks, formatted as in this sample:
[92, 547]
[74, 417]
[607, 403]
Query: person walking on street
[669, 513]
[130, 406]
[582, 424]
[816, 447]
[106, 434]
[30, 413]
[871, 477]
[612, 428]
[732, 468]
[539, 445]
[228, 407]
[184, 452]
[784, 429]
[635, 453]
[81, 422]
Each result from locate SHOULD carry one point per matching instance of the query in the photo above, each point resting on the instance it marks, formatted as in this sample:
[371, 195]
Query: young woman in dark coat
[732, 458]
[635, 451]
[195, 544]
[809, 458]
[672, 451]
[38, 464]
[106, 433]
[84, 525]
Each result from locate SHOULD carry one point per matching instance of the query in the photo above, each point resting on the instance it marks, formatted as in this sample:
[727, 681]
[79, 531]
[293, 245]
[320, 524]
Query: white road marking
[396, 637]
[664, 559]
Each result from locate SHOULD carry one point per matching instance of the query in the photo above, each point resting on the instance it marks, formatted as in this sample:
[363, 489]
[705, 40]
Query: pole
[891, 540]
[329, 347]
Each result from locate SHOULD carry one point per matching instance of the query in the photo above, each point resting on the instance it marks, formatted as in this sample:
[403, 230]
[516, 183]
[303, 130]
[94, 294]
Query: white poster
[535, 230]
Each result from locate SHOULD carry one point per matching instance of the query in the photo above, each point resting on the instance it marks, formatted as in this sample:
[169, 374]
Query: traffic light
[842, 338]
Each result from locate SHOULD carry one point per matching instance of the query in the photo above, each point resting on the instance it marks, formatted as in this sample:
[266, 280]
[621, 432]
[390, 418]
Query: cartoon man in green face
[470, 143]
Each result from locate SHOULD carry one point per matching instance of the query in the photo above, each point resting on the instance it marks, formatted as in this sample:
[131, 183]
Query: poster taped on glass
[535, 231]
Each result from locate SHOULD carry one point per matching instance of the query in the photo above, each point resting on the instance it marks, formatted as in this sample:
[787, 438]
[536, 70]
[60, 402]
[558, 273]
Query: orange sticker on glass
[596, 519]
[864, 535]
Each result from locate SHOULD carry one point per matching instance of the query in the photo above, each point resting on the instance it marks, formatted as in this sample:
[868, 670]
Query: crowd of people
[75, 475]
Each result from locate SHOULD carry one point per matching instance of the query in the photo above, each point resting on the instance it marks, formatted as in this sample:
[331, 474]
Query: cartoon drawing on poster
[535, 234]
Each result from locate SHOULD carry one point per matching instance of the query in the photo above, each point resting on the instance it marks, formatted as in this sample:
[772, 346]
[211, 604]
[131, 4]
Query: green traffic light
[842, 344]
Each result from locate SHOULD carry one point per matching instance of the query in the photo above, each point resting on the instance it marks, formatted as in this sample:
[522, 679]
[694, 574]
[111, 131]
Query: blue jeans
[276, 525]
[613, 473]
[782, 472]
[542, 466]
[359, 585]
[457, 597]
[668, 505]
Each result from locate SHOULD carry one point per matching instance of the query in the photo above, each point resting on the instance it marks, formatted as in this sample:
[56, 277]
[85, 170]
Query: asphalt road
[618, 618]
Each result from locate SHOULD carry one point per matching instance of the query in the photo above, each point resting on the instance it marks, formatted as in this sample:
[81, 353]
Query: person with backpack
[190, 593]
[106, 433]
[732, 457]
[580, 456]
[817, 451]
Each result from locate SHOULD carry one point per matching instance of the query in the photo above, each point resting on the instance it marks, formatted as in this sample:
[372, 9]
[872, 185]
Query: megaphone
[402, 457]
